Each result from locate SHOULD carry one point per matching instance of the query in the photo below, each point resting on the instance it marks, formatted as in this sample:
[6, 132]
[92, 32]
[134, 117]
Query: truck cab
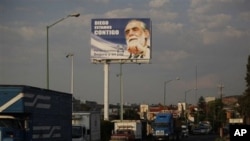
[10, 128]
[166, 127]
[78, 133]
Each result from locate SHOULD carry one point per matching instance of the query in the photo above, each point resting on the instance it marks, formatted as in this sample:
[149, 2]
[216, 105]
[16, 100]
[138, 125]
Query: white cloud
[245, 16]
[161, 15]
[170, 27]
[231, 32]
[172, 57]
[158, 3]
[210, 21]
[118, 13]
[213, 37]
[102, 1]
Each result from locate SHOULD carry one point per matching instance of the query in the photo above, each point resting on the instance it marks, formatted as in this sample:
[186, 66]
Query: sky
[205, 43]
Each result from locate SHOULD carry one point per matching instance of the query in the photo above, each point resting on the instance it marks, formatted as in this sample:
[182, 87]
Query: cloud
[161, 15]
[118, 13]
[158, 3]
[245, 16]
[170, 28]
[210, 21]
[207, 81]
[102, 1]
[171, 58]
[220, 36]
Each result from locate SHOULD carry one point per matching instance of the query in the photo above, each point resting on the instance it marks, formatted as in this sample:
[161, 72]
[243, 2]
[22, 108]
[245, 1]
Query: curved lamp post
[47, 29]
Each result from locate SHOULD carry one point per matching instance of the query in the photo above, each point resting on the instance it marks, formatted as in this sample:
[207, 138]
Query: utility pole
[220, 86]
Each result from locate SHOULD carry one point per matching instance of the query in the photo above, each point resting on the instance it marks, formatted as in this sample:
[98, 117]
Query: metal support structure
[47, 43]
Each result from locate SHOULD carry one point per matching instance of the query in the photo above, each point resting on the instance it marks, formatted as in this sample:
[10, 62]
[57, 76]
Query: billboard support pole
[106, 90]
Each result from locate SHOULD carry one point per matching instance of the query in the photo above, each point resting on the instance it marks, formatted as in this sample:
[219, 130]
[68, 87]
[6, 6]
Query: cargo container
[31, 113]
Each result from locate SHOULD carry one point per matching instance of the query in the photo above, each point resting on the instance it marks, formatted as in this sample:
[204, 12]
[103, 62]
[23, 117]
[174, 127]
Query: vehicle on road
[123, 135]
[86, 126]
[126, 129]
[166, 127]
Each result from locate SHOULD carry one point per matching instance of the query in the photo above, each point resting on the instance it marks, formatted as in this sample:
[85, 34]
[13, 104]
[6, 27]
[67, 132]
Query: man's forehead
[132, 24]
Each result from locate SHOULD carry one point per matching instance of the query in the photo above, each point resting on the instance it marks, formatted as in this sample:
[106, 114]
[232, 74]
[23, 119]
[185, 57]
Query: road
[210, 137]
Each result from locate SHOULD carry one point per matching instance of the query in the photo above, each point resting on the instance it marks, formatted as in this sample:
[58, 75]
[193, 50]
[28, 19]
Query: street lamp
[165, 83]
[47, 29]
[71, 55]
[121, 92]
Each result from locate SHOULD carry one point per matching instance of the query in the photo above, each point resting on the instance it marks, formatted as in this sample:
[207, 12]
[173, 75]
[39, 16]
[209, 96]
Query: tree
[201, 113]
[244, 101]
[131, 114]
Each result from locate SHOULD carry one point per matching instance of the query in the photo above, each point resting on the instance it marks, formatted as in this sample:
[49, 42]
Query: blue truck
[166, 127]
[34, 114]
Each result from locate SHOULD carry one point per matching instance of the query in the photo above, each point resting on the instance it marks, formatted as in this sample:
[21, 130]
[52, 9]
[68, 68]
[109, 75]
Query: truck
[31, 113]
[127, 130]
[86, 126]
[166, 127]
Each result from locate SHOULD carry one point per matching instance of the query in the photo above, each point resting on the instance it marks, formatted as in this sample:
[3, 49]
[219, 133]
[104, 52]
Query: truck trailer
[166, 127]
[34, 114]
[125, 129]
[86, 126]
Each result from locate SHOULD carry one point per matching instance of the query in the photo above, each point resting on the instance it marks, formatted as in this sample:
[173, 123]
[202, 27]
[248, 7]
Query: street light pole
[47, 43]
[72, 76]
[71, 55]
[165, 83]
[121, 93]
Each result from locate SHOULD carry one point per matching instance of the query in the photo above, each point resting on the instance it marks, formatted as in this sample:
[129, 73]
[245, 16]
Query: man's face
[135, 34]
[136, 38]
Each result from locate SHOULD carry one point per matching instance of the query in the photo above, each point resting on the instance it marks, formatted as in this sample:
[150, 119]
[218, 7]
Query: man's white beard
[136, 41]
[139, 43]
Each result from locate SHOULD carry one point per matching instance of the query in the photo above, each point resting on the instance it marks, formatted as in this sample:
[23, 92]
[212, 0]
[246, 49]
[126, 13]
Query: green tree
[201, 113]
[244, 101]
[131, 114]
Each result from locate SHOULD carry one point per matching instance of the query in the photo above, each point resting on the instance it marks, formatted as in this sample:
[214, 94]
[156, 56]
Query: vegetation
[244, 101]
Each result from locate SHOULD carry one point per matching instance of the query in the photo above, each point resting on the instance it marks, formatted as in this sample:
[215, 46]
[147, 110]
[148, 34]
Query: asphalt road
[209, 137]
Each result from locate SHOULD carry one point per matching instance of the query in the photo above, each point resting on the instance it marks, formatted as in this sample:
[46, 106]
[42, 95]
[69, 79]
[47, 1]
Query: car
[204, 130]
[196, 131]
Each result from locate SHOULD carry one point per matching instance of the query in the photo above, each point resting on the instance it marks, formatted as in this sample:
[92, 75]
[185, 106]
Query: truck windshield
[10, 123]
[77, 131]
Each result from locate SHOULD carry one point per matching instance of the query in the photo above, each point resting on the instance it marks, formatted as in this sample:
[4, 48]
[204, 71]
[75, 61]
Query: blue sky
[210, 35]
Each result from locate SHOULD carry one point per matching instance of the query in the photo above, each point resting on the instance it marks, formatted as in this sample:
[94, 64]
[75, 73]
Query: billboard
[121, 40]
